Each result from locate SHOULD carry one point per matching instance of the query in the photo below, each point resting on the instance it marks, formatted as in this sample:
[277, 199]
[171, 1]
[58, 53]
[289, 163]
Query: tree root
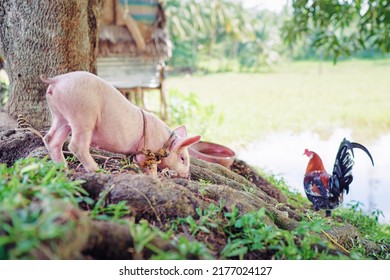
[150, 198]
[159, 200]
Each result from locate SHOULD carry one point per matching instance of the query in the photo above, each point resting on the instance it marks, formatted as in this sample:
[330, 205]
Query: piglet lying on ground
[99, 115]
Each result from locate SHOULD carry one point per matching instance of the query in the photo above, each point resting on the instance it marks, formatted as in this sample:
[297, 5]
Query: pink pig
[98, 115]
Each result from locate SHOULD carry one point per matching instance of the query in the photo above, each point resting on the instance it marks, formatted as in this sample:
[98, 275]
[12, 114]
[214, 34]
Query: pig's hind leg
[79, 145]
[55, 138]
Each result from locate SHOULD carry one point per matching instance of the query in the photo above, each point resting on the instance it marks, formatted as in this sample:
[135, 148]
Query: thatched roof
[122, 35]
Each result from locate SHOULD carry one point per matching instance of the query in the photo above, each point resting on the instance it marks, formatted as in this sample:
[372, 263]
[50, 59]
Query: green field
[295, 97]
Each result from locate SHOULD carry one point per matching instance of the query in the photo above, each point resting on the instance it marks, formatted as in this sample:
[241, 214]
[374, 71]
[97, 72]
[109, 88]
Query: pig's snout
[185, 175]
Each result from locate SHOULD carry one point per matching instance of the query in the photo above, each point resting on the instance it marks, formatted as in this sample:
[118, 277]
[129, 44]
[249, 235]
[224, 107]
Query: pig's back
[82, 92]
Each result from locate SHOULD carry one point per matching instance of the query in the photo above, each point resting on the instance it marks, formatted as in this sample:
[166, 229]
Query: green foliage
[144, 236]
[368, 225]
[184, 250]
[24, 230]
[112, 212]
[198, 117]
[248, 233]
[336, 28]
[36, 180]
[251, 234]
[222, 35]
[207, 219]
[29, 206]
[219, 30]
[184, 57]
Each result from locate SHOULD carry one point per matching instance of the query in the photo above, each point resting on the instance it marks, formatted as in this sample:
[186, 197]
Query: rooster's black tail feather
[361, 147]
[341, 177]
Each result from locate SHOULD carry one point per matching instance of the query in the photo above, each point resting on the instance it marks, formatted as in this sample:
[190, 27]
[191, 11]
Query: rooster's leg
[328, 213]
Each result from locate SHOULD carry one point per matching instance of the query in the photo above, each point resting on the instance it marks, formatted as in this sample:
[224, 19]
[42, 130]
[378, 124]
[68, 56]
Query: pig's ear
[181, 131]
[184, 142]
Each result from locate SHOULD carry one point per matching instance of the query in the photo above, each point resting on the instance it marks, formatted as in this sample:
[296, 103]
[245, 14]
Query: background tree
[339, 28]
[44, 37]
[220, 29]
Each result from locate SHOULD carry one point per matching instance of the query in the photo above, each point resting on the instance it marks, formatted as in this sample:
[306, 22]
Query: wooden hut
[133, 48]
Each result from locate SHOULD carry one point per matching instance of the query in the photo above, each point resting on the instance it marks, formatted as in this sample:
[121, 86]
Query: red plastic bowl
[212, 152]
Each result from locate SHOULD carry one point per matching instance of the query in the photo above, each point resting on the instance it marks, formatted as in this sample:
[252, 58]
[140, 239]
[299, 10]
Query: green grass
[296, 97]
[34, 195]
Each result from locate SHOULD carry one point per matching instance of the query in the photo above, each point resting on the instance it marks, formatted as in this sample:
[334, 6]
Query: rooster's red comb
[308, 153]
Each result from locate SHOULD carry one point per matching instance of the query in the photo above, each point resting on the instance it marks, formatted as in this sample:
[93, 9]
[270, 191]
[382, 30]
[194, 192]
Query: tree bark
[48, 37]
[95, 8]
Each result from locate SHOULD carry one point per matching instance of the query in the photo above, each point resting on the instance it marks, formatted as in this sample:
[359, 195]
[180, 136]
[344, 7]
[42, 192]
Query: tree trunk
[48, 37]
[95, 8]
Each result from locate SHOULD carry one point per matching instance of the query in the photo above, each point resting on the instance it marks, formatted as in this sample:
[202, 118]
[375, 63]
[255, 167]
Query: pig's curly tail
[46, 79]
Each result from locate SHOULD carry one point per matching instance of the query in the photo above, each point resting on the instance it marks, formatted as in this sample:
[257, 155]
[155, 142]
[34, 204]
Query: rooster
[326, 190]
